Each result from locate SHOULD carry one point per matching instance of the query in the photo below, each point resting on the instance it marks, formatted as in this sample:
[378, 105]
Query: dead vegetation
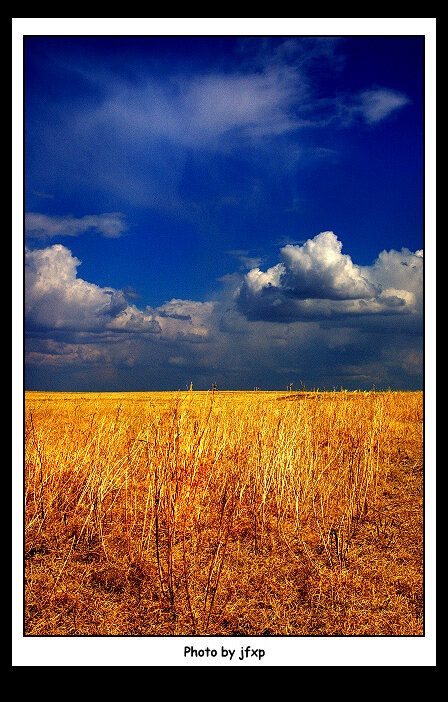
[223, 514]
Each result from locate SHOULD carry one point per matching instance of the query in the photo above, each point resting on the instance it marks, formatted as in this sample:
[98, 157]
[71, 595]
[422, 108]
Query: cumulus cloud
[318, 269]
[399, 271]
[266, 329]
[55, 298]
[41, 226]
[316, 281]
[185, 320]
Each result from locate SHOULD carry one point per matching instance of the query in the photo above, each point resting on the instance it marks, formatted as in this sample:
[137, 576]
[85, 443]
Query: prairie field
[223, 514]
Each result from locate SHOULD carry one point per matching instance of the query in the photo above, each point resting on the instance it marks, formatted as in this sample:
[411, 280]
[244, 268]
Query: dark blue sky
[166, 175]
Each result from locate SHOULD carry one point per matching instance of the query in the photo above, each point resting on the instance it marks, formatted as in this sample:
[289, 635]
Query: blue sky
[239, 210]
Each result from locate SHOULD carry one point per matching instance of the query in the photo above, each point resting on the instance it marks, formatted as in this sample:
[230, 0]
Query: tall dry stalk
[170, 491]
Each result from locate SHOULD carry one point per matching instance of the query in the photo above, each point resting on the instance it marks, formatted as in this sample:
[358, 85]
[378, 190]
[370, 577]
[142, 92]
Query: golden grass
[226, 513]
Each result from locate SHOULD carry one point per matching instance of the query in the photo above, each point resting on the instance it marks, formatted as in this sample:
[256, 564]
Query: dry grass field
[226, 513]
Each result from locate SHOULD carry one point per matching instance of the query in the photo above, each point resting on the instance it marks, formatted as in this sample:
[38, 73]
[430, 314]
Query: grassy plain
[226, 513]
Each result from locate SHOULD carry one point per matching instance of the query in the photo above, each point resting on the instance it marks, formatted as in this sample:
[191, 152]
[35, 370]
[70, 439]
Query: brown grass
[223, 514]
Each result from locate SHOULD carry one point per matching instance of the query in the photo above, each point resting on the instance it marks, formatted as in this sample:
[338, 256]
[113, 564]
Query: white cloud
[185, 320]
[161, 124]
[40, 226]
[258, 103]
[206, 111]
[55, 298]
[397, 271]
[92, 337]
[267, 94]
[377, 104]
[256, 280]
[319, 269]
[316, 281]
[217, 109]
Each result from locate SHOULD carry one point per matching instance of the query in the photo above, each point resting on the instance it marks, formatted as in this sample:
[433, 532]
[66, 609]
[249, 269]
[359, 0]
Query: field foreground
[245, 513]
